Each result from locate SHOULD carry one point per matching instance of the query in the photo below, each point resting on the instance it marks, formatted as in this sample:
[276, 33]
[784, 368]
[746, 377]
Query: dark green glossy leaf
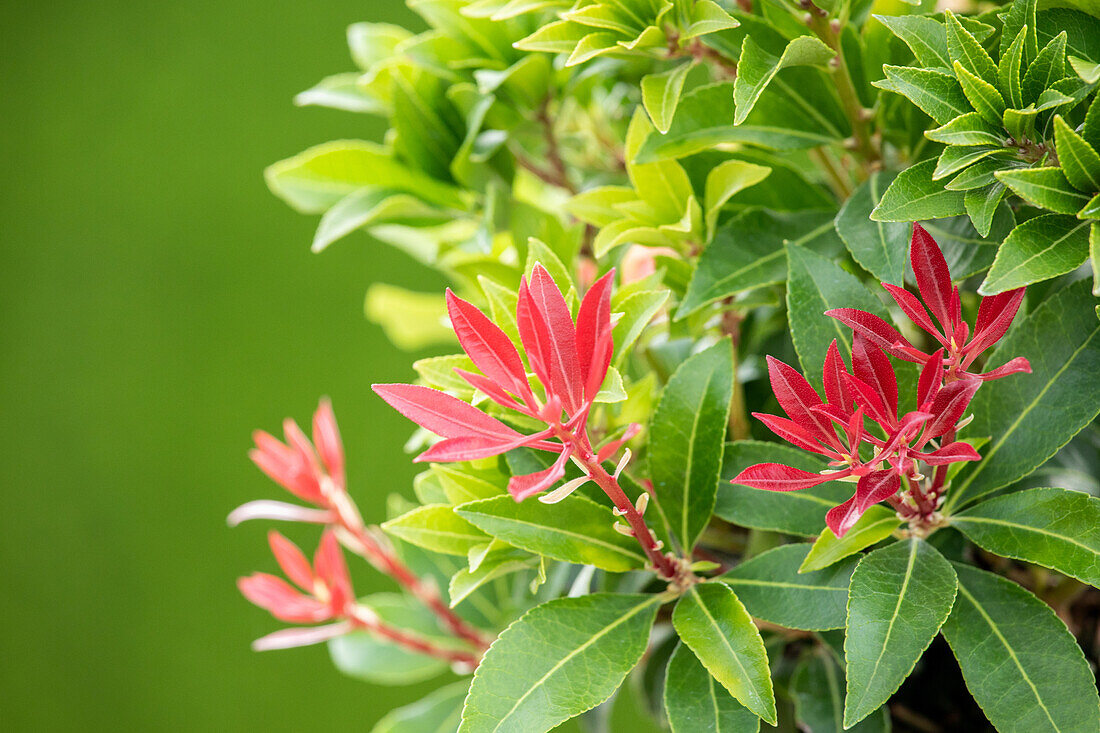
[1009, 68]
[1079, 160]
[575, 529]
[772, 589]
[696, 703]
[814, 285]
[926, 38]
[1038, 249]
[1031, 416]
[982, 204]
[968, 129]
[1056, 528]
[965, 50]
[935, 92]
[899, 597]
[687, 438]
[817, 686]
[714, 625]
[792, 512]
[1046, 187]
[881, 248]
[557, 661]
[915, 196]
[747, 253]
[1048, 67]
[1019, 661]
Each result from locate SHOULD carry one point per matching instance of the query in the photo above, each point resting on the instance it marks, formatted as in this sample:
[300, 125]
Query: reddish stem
[364, 618]
[362, 542]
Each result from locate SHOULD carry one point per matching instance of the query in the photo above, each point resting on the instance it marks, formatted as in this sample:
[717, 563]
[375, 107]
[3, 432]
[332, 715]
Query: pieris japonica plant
[766, 381]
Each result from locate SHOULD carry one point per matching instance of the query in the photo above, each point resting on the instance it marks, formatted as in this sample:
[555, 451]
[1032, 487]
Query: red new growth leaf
[488, 346]
[296, 465]
[878, 332]
[798, 398]
[443, 414]
[944, 391]
[547, 329]
[777, 477]
[594, 344]
[326, 587]
[933, 277]
[874, 368]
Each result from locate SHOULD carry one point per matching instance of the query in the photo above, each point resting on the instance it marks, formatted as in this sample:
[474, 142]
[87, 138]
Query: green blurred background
[157, 304]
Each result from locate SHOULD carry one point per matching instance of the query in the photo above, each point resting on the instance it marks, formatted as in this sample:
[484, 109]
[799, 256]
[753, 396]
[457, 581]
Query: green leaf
[319, 177]
[411, 320]
[496, 563]
[954, 159]
[817, 687]
[436, 527]
[702, 121]
[637, 310]
[725, 181]
[900, 596]
[1088, 71]
[557, 661]
[747, 252]
[1094, 250]
[791, 512]
[661, 94]
[1008, 71]
[926, 38]
[436, 712]
[462, 483]
[1048, 67]
[1038, 249]
[708, 17]
[1055, 528]
[982, 205]
[756, 69]
[914, 196]
[968, 129]
[772, 589]
[367, 657]
[876, 524]
[1020, 14]
[687, 437]
[965, 50]
[370, 206]
[934, 91]
[695, 703]
[880, 248]
[1046, 187]
[576, 530]
[816, 284]
[663, 185]
[340, 91]
[713, 624]
[1019, 661]
[1031, 416]
[1078, 159]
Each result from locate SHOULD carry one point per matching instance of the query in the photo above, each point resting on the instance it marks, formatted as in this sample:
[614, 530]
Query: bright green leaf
[724, 181]
[687, 438]
[756, 69]
[576, 530]
[437, 528]
[1046, 187]
[935, 92]
[914, 196]
[713, 624]
[1038, 249]
[1079, 160]
[876, 524]
[661, 94]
